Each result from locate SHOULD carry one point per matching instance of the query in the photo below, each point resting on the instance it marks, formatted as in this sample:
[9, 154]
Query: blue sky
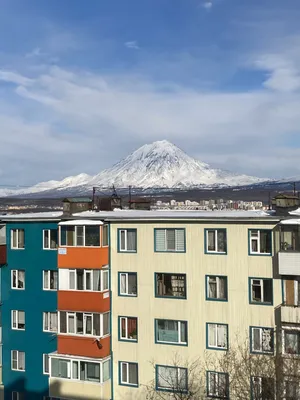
[82, 84]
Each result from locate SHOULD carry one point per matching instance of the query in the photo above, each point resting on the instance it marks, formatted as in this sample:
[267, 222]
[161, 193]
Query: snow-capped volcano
[159, 164]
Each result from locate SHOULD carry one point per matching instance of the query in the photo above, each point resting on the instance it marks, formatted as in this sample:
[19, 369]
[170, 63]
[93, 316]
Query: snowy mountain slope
[159, 164]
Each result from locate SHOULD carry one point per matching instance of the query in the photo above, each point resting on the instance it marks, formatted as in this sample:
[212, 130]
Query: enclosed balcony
[2, 245]
[289, 247]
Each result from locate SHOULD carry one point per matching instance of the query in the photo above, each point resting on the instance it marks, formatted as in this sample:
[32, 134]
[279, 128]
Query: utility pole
[294, 188]
[129, 197]
[93, 197]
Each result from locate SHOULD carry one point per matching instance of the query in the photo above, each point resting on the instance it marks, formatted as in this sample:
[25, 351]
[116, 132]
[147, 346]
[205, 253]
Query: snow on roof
[295, 212]
[37, 215]
[292, 221]
[172, 214]
[81, 222]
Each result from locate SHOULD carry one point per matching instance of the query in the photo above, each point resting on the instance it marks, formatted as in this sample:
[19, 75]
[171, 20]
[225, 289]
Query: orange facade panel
[83, 301]
[83, 346]
[82, 257]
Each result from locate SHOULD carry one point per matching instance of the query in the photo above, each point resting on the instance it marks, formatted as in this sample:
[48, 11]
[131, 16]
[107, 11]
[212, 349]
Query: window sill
[18, 329]
[220, 300]
[260, 254]
[14, 288]
[171, 297]
[256, 303]
[83, 335]
[17, 248]
[50, 331]
[18, 370]
[170, 251]
[160, 389]
[127, 295]
[171, 343]
[44, 248]
[265, 353]
[217, 348]
[129, 385]
[50, 290]
[128, 340]
[128, 251]
[218, 253]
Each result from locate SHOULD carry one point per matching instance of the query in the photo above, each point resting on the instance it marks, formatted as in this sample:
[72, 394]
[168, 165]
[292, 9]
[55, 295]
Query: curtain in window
[171, 244]
[21, 319]
[21, 238]
[122, 240]
[123, 283]
[14, 239]
[14, 359]
[53, 321]
[21, 360]
[132, 327]
[96, 280]
[291, 344]
[212, 335]
[267, 340]
[179, 236]
[211, 241]
[75, 370]
[160, 240]
[88, 324]
[21, 279]
[46, 279]
[221, 241]
[222, 288]
[131, 240]
[124, 372]
[256, 339]
[71, 323]
[222, 336]
[46, 321]
[72, 275]
[212, 287]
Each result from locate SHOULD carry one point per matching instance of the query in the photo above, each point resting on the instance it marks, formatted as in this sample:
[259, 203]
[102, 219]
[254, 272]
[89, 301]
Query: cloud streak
[132, 45]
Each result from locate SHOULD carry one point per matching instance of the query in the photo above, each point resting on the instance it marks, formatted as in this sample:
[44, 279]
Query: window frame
[166, 250]
[50, 313]
[48, 272]
[217, 395]
[207, 277]
[252, 385]
[103, 271]
[290, 330]
[49, 239]
[119, 231]
[17, 278]
[18, 361]
[84, 317]
[258, 253]
[170, 297]
[215, 230]
[17, 320]
[44, 364]
[12, 230]
[261, 303]
[126, 339]
[217, 324]
[127, 363]
[102, 235]
[127, 273]
[261, 351]
[75, 360]
[76, 236]
[179, 322]
[15, 395]
[171, 390]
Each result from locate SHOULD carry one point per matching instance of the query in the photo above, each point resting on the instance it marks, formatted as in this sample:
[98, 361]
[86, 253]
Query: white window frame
[126, 328]
[18, 360]
[126, 283]
[77, 360]
[106, 226]
[48, 273]
[216, 336]
[179, 371]
[50, 314]
[45, 372]
[261, 329]
[16, 314]
[261, 280]
[179, 323]
[252, 238]
[17, 230]
[103, 272]
[166, 250]
[125, 250]
[215, 230]
[17, 278]
[127, 383]
[49, 240]
[85, 316]
[217, 375]
[83, 235]
[218, 277]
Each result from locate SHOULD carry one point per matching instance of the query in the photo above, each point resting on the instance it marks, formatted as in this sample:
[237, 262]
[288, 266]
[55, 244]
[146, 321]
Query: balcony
[288, 243]
[290, 314]
[289, 262]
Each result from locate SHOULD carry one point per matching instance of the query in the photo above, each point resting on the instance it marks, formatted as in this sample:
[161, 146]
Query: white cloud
[132, 45]
[36, 52]
[207, 5]
[14, 77]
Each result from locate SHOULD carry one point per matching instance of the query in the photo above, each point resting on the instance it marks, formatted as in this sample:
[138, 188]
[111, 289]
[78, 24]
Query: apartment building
[96, 305]
[29, 281]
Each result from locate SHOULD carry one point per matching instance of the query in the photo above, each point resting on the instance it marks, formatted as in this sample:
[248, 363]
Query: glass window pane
[63, 322]
[88, 280]
[106, 370]
[96, 324]
[96, 280]
[131, 240]
[122, 240]
[124, 377]
[171, 245]
[93, 372]
[221, 234]
[160, 240]
[75, 372]
[71, 323]
[80, 279]
[46, 239]
[53, 238]
[105, 280]
[72, 275]
[92, 235]
[133, 373]
[88, 324]
[132, 284]
[55, 367]
[79, 323]
[268, 290]
[105, 235]
[79, 236]
[123, 286]
[212, 287]
[211, 241]
[106, 327]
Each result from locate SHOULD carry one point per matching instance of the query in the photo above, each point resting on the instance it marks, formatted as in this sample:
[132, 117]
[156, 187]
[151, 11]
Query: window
[17, 360]
[104, 235]
[217, 385]
[260, 241]
[169, 240]
[45, 364]
[262, 340]
[49, 239]
[17, 396]
[216, 288]
[217, 336]
[17, 238]
[18, 320]
[97, 372]
[261, 291]
[127, 240]
[215, 241]
[95, 280]
[262, 388]
[170, 285]
[80, 235]
[77, 323]
[292, 389]
[50, 280]
[128, 284]
[128, 373]
[171, 378]
[170, 331]
[291, 342]
[50, 322]
[128, 328]
[18, 279]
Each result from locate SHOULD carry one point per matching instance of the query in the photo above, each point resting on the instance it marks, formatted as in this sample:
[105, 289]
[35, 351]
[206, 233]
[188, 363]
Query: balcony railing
[289, 262]
[290, 314]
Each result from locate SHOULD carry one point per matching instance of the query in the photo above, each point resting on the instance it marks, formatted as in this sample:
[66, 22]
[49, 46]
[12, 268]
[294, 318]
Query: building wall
[34, 301]
[237, 265]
